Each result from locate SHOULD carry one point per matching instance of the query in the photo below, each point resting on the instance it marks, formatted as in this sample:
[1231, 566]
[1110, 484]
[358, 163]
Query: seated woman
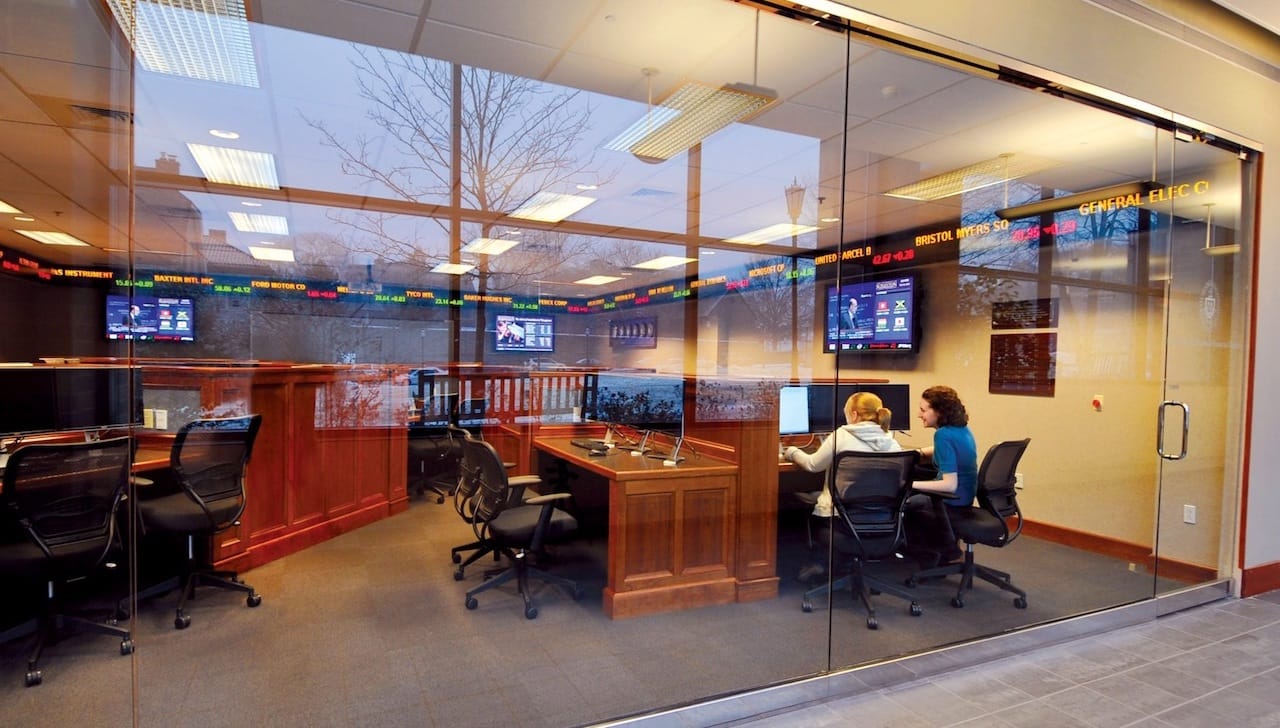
[867, 431]
[955, 455]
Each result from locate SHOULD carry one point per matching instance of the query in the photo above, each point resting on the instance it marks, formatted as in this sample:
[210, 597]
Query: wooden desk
[671, 528]
[150, 458]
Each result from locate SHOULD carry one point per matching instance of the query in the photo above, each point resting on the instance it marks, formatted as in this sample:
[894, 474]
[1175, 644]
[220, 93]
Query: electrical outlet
[1018, 482]
[162, 419]
[1188, 514]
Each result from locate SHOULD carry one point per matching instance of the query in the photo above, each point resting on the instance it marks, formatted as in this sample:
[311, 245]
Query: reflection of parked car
[589, 362]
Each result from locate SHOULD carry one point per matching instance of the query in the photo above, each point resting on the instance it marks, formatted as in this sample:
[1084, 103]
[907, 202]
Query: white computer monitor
[793, 410]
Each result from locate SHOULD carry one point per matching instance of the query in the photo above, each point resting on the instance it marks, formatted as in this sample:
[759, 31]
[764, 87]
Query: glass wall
[632, 227]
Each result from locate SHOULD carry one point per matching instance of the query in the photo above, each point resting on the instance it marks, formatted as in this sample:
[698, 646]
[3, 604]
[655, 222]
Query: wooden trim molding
[1132, 552]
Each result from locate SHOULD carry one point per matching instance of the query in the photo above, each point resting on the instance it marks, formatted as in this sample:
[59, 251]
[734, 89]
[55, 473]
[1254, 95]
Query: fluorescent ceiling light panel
[207, 40]
[8, 209]
[248, 222]
[52, 238]
[664, 262]
[551, 206]
[972, 177]
[689, 114]
[453, 269]
[238, 167]
[275, 255]
[771, 233]
[489, 246]
[597, 280]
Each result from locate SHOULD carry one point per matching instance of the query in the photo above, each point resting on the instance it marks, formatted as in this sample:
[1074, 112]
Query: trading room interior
[362, 231]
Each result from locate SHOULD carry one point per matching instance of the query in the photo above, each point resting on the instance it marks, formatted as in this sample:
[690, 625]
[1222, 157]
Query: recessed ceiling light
[249, 222]
[597, 280]
[24, 218]
[664, 262]
[231, 166]
[247, 203]
[276, 255]
[829, 219]
[771, 233]
[587, 187]
[207, 41]
[8, 209]
[551, 206]
[489, 246]
[224, 134]
[49, 237]
[454, 269]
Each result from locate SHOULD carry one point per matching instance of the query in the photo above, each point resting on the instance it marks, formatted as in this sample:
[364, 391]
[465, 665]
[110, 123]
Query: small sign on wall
[1023, 364]
[635, 333]
[1040, 313]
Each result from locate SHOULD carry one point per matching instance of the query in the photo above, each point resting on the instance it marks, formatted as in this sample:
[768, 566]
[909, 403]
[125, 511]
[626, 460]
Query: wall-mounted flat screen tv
[150, 318]
[873, 315]
[514, 332]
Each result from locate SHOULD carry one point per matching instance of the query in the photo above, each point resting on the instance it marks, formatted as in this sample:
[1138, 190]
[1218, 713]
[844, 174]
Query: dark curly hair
[946, 402]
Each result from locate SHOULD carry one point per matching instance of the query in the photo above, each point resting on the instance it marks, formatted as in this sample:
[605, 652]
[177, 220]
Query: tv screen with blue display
[150, 318]
[873, 315]
[515, 332]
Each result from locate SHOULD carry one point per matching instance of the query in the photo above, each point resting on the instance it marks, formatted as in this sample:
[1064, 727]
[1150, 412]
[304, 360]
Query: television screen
[872, 315]
[826, 404]
[150, 318]
[639, 401]
[92, 397]
[524, 333]
[793, 410]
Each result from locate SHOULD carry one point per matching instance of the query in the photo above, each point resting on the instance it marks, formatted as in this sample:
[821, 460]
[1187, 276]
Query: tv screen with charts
[513, 332]
[873, 315]
[150, 318]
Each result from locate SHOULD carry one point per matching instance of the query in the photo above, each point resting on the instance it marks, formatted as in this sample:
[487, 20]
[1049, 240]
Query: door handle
[1186, 423]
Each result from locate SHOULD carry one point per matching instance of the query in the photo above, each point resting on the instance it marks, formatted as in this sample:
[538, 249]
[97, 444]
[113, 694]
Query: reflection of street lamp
[795, 203]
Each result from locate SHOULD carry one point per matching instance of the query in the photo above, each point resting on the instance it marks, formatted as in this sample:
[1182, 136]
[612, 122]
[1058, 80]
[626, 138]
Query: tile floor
[1208, 667]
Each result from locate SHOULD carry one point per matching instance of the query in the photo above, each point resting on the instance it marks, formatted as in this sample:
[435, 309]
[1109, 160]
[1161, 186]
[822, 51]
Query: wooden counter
[671, 528]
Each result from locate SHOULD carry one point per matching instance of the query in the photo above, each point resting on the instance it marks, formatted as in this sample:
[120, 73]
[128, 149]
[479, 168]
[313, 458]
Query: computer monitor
[637, 400]
[793, 410]
[826, 404]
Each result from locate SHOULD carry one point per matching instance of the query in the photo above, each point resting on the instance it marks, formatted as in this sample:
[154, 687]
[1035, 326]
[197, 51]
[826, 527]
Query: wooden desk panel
[671, 529]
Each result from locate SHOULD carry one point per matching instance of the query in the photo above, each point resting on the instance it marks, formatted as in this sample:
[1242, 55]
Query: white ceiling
[906, 119]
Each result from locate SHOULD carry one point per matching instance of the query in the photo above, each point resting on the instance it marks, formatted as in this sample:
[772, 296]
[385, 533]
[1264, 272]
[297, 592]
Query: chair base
[967, 570]
[201, 577]
[53, 628]
[479, 547]
[521, 571]
[863, 586]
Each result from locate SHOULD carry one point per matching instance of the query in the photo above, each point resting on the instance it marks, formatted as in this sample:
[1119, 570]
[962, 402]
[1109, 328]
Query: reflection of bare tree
[769, 300]
[514, 137]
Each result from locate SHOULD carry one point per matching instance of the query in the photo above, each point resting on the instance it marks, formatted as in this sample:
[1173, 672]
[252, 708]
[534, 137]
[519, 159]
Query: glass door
[1200, 418]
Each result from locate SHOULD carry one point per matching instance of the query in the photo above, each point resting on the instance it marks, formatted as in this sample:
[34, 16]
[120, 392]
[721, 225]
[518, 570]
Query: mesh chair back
[209, 459]
[871, 488]
[65, 495]
[997, 478]
[491, 479]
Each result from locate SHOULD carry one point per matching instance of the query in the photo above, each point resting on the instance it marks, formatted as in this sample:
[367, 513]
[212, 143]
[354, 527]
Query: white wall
[1086, 42]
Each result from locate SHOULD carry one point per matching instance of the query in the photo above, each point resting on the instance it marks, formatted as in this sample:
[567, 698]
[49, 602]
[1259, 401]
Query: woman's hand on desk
[789, 453]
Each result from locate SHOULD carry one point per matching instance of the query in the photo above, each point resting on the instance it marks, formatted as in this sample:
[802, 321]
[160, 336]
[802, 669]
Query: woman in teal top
[955, 455]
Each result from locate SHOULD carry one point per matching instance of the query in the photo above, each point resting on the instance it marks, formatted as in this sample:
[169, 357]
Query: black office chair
[208, 461]
[515, 525]
[869, 490]
[59, 503]
[987, 523]
[434, 455]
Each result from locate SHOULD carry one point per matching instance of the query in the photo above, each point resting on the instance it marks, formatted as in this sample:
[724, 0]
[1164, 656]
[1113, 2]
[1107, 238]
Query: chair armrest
[523, 481]
[548, 498]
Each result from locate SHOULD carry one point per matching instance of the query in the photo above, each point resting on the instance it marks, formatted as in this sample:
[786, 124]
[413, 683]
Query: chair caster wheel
[1020, 602]
[872, 623]
[957, 602]
[440, 499]
[126, 647]
[916, 611]
[457, 575]
[182, 621]
[34, 678]
[472, 603]
[457, 559]
[806, 606]
[253, 600]
[531, 613]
